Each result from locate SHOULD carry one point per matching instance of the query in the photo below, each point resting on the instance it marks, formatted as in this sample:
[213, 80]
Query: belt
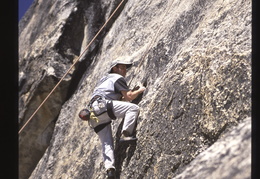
[94, 99]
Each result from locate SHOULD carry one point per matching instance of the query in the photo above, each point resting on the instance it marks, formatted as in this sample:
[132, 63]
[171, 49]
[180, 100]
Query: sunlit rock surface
[194, 57]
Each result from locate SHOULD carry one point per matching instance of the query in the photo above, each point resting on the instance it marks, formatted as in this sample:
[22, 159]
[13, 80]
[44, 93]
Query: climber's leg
[105, 136]
[130, 112]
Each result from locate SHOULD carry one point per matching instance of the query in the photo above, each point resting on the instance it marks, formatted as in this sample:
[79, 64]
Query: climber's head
[119, 66]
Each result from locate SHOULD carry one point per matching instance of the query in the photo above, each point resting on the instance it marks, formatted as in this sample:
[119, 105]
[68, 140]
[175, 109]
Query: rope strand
[71, 67]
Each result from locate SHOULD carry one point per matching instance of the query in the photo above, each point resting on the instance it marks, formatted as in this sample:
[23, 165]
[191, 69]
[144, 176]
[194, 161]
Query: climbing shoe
[126, 137]
[111, 173]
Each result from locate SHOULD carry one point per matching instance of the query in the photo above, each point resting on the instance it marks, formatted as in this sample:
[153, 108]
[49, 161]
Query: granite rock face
[194, 57]
[222, 159]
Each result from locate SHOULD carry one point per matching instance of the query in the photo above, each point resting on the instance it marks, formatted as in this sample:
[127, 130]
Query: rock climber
[112, 91]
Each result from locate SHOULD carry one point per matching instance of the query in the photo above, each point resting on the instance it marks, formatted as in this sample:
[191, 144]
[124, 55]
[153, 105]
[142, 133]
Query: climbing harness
[99, 111]
[71, 66]
[96, 107]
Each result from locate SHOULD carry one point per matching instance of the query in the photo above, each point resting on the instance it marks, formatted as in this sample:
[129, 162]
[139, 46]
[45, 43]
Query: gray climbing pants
[122, 109]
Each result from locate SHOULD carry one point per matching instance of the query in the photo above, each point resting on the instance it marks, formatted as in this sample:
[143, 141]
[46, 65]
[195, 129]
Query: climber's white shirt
[110, 87]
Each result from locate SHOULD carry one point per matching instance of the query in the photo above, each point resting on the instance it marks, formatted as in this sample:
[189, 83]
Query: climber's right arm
[132, 94]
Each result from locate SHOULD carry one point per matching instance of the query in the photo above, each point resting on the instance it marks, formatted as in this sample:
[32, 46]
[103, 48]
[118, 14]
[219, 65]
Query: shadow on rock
[123, 151]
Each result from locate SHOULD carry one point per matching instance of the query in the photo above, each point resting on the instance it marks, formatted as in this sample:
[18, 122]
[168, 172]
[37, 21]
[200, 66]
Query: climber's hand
[132, 94]
[135, 88]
